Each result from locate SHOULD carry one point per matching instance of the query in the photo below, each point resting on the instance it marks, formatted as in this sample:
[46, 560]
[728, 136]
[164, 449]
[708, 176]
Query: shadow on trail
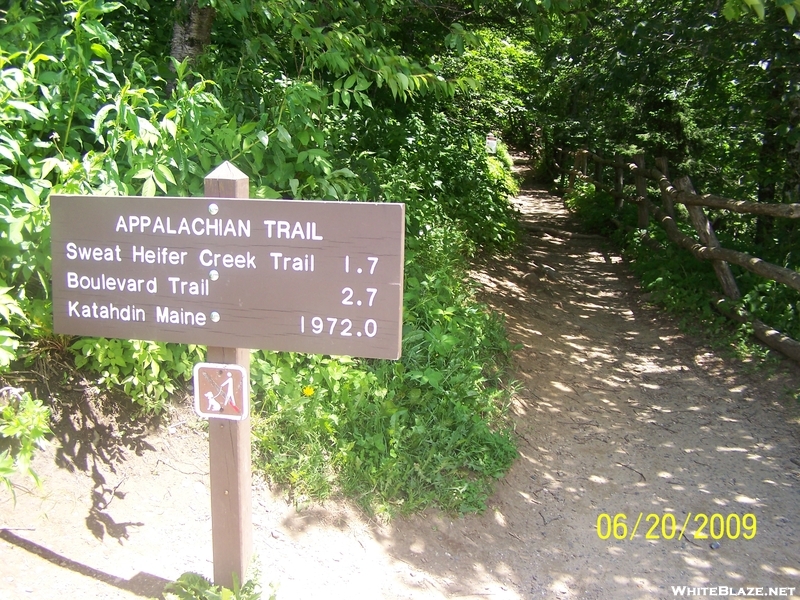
[87, 436]
[141, 584]
[619, 413]
[94, 441]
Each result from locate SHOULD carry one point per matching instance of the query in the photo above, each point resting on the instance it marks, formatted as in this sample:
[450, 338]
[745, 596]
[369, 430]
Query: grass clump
[427, 430]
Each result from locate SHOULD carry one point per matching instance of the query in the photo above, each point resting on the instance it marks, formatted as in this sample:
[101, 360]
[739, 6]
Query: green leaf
[284, 136]
[344, 172]
[757, 6]
[265, 191]
[170, 127]
[31, 196]
[363, 84]
[147, 132]
[107, 7]
[28, 108]
[164, 170]
[100, 51]
[100, 118]
[48, 164]
[8, 154]
[160, 181]
[149, 188]
[10, 180]
[15, 231]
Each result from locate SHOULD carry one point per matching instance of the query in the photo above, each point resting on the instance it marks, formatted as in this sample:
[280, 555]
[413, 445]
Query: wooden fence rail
[706, 246]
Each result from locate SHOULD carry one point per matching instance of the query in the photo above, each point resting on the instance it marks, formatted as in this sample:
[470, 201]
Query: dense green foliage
[715, 97]
[720, 99]
[346, 110]
[402, 435]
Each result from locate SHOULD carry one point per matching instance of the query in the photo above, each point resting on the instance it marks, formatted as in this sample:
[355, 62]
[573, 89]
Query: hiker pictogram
[221, 391]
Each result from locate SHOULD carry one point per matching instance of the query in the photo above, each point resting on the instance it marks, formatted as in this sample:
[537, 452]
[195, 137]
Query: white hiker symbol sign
[227, 385]
[221, 391]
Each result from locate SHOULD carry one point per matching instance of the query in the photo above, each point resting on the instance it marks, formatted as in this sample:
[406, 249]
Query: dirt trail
[617, 413]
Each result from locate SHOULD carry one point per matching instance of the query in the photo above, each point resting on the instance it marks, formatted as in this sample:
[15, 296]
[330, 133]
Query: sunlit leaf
[101, 51]
[28, 108]
[149, 188]
[166, 173]
[283, 135]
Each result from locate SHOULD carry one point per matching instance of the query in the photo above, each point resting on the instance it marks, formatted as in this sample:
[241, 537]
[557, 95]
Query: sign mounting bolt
[213, 275]
[213, 209]
[215, 316]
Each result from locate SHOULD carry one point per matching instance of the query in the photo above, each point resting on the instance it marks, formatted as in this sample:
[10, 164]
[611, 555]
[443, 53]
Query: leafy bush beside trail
[24, 426]
[87, 109]
[398, 436]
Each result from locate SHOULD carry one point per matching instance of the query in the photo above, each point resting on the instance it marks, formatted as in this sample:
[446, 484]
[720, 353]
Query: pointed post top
[227, 181]
[226, 170]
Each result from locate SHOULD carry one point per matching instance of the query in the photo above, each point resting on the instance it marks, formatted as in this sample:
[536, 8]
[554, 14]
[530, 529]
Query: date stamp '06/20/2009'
[667, 526]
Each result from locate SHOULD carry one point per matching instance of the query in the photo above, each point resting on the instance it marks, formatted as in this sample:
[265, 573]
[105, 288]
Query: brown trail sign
[321, 277]
[233, 274]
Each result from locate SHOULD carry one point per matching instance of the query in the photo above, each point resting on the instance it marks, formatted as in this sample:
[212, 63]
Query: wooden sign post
[229, 441]
[231, 273]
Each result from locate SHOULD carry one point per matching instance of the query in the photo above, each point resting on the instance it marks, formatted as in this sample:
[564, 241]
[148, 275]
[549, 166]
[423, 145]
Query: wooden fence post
[709, 238]
[619, 181]
[641, 191]
[562, 164]
[228, 440]
[575, 166]
[663, 166]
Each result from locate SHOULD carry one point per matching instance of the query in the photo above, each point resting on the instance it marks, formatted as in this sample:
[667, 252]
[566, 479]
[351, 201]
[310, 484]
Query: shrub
[427, 430]
[23, 428]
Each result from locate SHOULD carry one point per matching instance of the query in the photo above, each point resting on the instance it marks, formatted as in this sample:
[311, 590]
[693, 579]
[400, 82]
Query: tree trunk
[192, 30]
